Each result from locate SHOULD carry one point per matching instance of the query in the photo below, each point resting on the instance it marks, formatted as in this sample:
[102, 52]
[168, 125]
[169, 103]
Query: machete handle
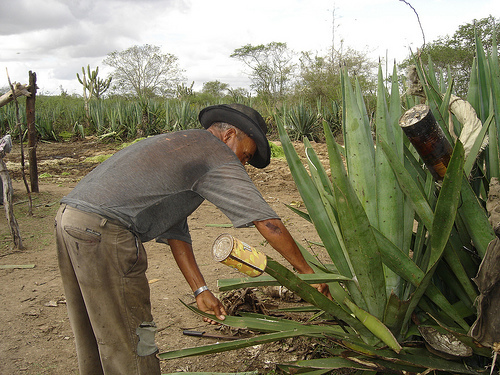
[187, 332]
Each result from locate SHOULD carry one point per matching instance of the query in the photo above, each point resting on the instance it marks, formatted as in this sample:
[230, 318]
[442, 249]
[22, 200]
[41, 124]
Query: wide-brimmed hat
[246, 119]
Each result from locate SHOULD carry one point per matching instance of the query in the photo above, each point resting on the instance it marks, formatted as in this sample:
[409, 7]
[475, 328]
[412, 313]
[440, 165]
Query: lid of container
[223, 245]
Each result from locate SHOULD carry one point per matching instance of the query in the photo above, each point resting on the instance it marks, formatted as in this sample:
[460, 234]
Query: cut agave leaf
[266, 280]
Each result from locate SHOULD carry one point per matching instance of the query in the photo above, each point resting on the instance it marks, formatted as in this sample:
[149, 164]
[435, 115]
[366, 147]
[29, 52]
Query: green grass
[276, 151]
[98, 158]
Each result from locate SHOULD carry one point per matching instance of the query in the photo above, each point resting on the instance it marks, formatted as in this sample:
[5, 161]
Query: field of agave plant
[59, 118]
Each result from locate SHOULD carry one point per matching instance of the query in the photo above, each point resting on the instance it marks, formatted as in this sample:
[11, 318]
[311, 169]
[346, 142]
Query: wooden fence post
[32, 141]
[5, 147]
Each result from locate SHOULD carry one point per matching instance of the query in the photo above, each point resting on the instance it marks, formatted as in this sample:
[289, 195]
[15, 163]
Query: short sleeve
[231, 190]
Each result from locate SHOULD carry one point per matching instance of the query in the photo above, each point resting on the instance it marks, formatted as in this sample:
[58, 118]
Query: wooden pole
[5, 146]
[22, 148]
[30, 119]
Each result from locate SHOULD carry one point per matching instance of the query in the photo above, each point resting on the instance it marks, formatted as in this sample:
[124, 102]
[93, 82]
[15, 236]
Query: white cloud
[24, 16]
[55, 38]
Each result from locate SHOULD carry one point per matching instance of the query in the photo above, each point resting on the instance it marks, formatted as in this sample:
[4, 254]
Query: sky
[56, 38]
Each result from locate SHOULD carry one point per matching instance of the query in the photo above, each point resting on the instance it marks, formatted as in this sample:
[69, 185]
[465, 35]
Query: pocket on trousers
[132, 257]
[87, 235]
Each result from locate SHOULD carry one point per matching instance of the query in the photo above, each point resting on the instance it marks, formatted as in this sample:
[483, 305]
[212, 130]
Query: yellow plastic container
[239, 255]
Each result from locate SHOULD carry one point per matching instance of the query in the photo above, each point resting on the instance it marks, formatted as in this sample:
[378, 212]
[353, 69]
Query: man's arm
[275, 232]
[206, 301]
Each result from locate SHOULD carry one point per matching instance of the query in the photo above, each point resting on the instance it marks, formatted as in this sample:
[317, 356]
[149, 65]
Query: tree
[457, 52]
[272, 68]
[240, 95]
[319, 77]
[215, 89]
[144, 71]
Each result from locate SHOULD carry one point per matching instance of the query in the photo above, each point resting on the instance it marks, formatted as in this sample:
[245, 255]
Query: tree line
[147, 92]
[277, 73]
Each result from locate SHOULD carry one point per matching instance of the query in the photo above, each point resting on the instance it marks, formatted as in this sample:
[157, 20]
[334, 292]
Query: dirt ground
[36, 337]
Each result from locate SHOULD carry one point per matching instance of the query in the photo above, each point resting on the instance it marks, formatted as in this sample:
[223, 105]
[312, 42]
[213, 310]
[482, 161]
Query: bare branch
[23, 172]
[418, 19]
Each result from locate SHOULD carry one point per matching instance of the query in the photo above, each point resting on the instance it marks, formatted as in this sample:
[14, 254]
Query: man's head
[246, 120]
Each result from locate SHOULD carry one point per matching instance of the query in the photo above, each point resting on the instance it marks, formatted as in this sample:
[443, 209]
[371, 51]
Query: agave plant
[301, 121]
[180, 115]
[403, 249]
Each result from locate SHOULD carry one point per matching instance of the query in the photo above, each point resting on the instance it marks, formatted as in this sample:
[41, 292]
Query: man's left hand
[208, 303]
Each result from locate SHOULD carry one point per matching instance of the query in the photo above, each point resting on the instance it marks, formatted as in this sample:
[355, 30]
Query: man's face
[244, 147]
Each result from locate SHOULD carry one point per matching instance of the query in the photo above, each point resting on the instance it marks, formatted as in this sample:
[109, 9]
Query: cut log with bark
[19, 90]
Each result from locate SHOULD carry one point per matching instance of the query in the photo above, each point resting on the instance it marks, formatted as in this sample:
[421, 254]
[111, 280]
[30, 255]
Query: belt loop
[64, 207]
[103, 222]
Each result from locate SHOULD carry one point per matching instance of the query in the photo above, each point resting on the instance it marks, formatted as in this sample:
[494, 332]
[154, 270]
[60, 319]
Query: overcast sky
[56, 38]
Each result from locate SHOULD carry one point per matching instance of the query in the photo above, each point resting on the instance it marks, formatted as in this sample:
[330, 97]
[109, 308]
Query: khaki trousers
[103, 268]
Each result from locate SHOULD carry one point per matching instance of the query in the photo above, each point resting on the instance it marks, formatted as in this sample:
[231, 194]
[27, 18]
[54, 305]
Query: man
[143, 192]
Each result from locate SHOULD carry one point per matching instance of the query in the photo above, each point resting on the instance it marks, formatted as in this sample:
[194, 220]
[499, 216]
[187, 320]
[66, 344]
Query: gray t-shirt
[152, 186]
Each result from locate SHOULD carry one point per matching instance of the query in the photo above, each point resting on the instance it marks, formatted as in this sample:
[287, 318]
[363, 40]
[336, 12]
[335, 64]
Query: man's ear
[228, 134]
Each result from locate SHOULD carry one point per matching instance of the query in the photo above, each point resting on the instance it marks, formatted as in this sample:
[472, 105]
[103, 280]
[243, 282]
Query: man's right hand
[323, 289]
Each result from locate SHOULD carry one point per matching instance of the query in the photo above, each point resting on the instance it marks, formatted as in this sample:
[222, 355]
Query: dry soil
[36, 337]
